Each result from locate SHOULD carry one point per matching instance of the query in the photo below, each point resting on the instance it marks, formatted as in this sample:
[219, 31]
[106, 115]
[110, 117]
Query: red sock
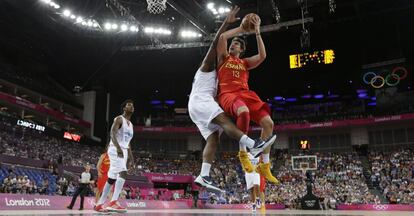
[243, 122]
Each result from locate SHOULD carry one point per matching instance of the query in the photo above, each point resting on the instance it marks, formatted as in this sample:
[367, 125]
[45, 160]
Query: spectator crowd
[338, 179]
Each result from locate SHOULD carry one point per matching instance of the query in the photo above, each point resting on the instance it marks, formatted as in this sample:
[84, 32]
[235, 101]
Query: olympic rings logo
[380, 207]
[392, 79]
[247, 206]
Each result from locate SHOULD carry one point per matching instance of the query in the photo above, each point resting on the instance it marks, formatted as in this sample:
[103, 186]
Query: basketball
[247, 23]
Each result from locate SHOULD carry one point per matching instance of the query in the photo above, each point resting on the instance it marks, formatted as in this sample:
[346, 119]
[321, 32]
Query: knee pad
[111, 181]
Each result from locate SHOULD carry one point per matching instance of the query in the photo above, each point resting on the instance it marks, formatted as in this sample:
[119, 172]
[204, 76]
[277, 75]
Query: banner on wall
[43, 202]
[159, 177]
[379, 207]
[288, 127]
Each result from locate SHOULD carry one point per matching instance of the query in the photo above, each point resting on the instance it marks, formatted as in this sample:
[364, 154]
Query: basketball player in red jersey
[103, 168]
[262, 192]
[234, 95]
[210, 119]
[262, 189]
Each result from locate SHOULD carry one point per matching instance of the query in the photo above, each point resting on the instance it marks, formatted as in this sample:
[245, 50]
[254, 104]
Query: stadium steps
[366, 171]
[378, 193]
[367, 174]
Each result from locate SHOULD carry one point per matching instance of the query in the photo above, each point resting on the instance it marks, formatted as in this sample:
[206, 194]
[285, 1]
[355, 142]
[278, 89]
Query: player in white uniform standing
[119, 152]
[210, 118]
[253, 183]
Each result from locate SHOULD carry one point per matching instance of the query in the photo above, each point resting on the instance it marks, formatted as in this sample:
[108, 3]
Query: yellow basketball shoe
[264, 170]
[245, 162]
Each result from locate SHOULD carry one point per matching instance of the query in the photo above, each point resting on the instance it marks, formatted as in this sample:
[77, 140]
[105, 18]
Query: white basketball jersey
[125, 133]
[253, 160]
[205, 83]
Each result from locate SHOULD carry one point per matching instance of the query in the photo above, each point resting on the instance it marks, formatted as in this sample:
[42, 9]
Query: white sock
[205, 169]
[265, 158]
[244, 142]
[119, 184]
[105, 192]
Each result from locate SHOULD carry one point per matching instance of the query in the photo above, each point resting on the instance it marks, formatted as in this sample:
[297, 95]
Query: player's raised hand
[256, 22]
[231, 16]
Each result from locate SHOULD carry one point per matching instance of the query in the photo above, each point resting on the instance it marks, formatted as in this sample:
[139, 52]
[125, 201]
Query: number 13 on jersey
[236, 74]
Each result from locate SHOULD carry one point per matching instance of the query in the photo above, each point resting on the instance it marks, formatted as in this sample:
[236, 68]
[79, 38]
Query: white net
[156, 6]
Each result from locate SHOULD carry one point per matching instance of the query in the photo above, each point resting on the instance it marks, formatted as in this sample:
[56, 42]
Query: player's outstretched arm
[209, 60]
[256, 60]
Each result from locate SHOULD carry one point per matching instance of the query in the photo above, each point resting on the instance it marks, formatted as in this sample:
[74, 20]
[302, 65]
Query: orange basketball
[247, 23]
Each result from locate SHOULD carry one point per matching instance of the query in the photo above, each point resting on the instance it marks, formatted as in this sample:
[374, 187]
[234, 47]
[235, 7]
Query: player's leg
[262, 117]
[256, 188]
[244, 141]
[229, 128]
[209, 117]
[204, 179]
[114, 205]
[233, 132]
[202, 113]
[267, 130]
[97, 195]
[249, 177]
[104, 194]
[114, 169]
[257, 196]
[242, 115]
[210, 150]
[111, 192]
[253, 198]
[100, 184]
[120, 180]
[213, 113]
[262, 191]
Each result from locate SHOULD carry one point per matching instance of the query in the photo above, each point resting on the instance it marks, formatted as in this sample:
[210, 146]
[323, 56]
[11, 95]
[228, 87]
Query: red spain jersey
[104, 168]
[233, 75]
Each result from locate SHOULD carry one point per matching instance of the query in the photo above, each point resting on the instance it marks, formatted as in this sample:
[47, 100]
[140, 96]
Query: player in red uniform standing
[235, 97]
[262, 192]
[103, 168]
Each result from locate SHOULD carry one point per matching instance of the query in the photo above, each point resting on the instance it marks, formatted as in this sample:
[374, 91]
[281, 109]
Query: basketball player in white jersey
[119, 152]
[253, 184]
[210, 118]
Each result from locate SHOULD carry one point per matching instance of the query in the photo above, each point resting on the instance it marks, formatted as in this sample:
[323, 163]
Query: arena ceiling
[360, 32]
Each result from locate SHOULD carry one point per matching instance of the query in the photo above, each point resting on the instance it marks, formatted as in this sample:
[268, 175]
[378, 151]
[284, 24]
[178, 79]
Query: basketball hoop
[304, 163]
[156, 6]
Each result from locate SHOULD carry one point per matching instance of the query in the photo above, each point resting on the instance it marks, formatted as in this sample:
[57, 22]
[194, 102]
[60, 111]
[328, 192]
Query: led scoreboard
[317, 57]
[304, 145]
[72, 136]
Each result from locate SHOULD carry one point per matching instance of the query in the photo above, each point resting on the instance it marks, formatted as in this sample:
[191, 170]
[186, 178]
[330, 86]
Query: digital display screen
[31, 125]
[71, 136]
[316, 57]
[304, 145]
